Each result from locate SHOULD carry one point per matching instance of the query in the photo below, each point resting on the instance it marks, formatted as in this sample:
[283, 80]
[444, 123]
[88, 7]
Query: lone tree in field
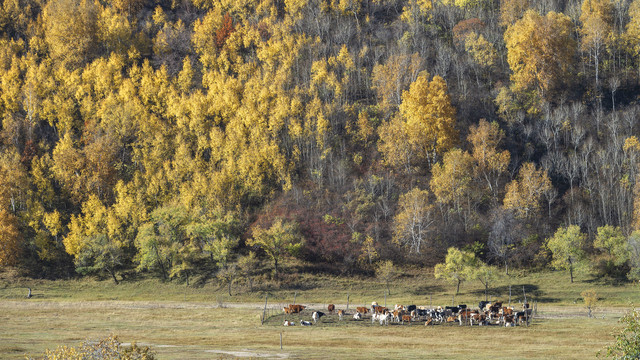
[280, 240]
[566, 246]
[458, 267]
[386, 272]
[590, 299]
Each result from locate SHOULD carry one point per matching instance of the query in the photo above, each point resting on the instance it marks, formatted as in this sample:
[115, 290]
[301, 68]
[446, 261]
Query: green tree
[280, 240]
[101, 254]
[566, 246]
[160, 240]
[486, 274]
[457, 267]
[386, 272]
[611, 240]
[248, 265]
[627, 343]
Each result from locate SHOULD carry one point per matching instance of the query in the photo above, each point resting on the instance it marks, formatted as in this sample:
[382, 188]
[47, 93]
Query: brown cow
[406, 318]
[331, 308]
[286, 310]
[294, 309]
[340, 314]
[381, 309]
[362, 309]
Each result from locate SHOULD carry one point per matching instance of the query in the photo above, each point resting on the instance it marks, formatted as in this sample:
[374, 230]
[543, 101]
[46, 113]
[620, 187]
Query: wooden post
[347, 301]
[509, 294]
[280, 340]
[524, 305]
[294, 297]
[385, 298]
[430, 302]
[264, 311]
[453, 300]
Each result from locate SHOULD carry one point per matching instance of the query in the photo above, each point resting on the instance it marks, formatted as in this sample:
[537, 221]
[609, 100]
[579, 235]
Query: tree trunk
[571, 272]
[113, 276]
[230, 282]
[275, 263]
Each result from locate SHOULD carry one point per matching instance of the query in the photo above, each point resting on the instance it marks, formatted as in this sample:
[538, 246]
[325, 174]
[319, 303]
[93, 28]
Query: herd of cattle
[487, 313]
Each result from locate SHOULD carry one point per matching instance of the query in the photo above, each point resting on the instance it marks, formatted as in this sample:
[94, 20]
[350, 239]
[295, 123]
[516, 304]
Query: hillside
[197, 138]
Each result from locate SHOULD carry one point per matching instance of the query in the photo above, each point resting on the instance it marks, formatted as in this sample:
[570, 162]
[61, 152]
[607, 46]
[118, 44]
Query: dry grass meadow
[203, 323]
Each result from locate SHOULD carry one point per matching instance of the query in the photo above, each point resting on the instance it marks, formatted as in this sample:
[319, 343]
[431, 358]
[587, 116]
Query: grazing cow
[289, 323]
[331, 308]
[483, 305]
[362, 310]
[317, 315]
[509, 320]
[480, 319]
[454, 309]
[381, 309]
[406, 318]
[305, 323]
[294, 309]
[384, 318]
[357, 316]
[465, 315]
[495, 308]
[505, 311]
[340, 314]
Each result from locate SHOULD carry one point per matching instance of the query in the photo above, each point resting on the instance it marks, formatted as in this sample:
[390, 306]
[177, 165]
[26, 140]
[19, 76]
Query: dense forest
[189, 137]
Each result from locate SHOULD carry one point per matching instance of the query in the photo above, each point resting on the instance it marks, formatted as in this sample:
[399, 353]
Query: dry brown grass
[200, 331]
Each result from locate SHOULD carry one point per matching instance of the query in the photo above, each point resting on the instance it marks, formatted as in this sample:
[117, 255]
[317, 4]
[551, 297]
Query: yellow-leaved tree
[452, 183]
[427, 126]
[540, 52]
[491, 162]
[525, 193]
[9, 239]
[596, 30]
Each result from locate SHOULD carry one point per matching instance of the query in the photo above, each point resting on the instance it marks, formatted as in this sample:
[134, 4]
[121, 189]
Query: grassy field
[203, 322]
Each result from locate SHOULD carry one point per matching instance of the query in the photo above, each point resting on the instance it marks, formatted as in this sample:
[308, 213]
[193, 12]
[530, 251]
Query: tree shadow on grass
[427, 290]
[532, 292]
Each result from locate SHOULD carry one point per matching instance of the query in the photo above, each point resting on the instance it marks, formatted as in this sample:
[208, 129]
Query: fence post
[524, 305]
[385, 298]
[264, 311]
[509, 294]
[347, 301]
[280, 340]
[430, 302]
[453, 297]
[295, 295]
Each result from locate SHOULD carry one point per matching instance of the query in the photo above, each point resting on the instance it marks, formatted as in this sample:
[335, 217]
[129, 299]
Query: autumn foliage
[175, 138]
